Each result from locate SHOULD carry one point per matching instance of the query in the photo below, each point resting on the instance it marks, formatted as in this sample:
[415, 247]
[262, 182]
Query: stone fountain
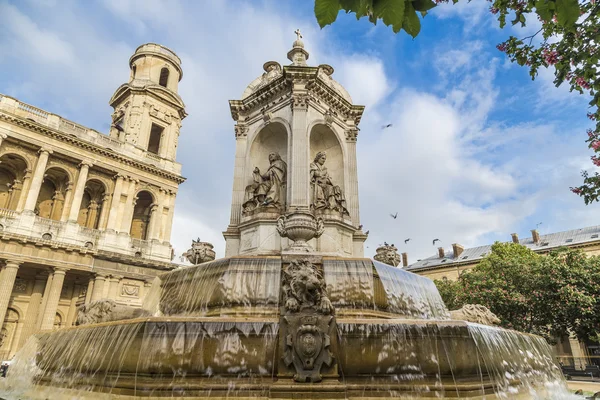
[294, 310]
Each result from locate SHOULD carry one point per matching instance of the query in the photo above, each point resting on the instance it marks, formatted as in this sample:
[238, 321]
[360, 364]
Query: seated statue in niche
[268, 189]
[325, 195]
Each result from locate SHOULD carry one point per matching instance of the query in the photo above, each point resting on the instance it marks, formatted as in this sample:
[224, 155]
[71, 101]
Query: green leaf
[412, 25]
[360, 7]
[326, 11]
[390, 11]
[423, 5]
[567, 12]
[542, 8]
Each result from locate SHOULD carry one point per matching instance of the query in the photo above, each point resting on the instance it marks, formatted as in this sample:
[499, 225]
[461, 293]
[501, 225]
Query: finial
[298, 34]
[298, 55]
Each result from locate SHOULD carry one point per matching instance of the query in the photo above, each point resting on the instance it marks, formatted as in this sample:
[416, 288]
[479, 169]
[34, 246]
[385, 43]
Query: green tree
[449, 291]
[567, 42]
[549, 295]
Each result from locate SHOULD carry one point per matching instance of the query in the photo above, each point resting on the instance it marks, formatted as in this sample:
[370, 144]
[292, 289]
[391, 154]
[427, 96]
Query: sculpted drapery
[268, 189]
[325, 195]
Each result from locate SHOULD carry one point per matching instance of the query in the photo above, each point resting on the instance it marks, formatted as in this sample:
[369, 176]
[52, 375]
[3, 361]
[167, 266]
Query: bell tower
[295, 178]
[148, 110]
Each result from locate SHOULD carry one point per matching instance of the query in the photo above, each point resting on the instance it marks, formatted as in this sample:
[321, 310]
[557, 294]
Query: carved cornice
[258, 99]
[347, 111]
[73, 140]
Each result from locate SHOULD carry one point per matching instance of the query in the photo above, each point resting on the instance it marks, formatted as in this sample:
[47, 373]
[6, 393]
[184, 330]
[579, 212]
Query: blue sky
[477, 150]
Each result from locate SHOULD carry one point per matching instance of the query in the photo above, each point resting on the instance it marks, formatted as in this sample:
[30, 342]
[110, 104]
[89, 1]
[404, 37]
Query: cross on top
[298, 35]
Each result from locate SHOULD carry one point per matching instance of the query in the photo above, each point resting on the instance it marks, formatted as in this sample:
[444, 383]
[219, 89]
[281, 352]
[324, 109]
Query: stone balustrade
[63, 125]
[48, 230]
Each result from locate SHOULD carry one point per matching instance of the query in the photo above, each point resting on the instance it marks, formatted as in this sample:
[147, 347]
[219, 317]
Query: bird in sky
[406, 240]
[435, 240]
[385, 244]
[394, 215]
[367, 233]
[537, 225]
[386, 126]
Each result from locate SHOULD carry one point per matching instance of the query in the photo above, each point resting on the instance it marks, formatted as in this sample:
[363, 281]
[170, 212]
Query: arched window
[141, 216]
[164, 77]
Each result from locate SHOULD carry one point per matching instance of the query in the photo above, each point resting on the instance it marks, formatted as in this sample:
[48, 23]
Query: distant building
[449, 265]
[84, 215]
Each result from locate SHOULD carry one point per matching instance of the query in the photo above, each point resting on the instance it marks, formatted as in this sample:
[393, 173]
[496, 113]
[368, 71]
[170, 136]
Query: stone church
[85, 215]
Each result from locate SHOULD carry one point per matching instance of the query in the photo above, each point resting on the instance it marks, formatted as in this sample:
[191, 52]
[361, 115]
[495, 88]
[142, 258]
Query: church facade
[84, 215]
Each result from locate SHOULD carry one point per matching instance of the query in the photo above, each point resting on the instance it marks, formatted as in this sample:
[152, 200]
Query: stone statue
[304, 287]
[387, 254]
[268, 189]
[475, 313]
[325, 195]
[107, 310]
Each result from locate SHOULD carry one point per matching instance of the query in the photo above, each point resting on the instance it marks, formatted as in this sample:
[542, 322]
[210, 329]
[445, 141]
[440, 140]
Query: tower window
[164, 77]
[155, 136]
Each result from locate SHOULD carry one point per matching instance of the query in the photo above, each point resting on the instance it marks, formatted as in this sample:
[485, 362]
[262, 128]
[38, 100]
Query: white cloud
[365, 79]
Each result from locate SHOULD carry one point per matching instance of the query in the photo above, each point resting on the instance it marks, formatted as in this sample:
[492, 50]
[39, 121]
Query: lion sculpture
[304, 287]
[106, 311]
[475, 313]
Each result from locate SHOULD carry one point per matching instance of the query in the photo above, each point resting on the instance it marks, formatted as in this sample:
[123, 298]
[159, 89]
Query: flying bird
[406, 240]
[435, 240]
[394, 215]
[386, 126]
[537, 225]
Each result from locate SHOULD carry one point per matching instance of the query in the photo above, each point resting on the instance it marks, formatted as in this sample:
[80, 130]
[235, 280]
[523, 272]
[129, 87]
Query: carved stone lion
[475, 313]
[105, 311]
[304, 287]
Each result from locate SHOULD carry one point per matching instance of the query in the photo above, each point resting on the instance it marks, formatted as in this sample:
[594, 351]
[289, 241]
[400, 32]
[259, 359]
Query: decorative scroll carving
[329, 117]
[300, 101]
[388, 254]
[105, 311]
[475, 313]
[351, 135]
[240, 130]
[268, 189]
[304, 287]
[325, 195]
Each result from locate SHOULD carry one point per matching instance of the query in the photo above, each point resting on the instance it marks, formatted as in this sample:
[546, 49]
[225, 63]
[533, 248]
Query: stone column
[98, 291]
[104, 208]
[68, 200]
[169, 220]
[239, 178]
[90, 289]
[40, 315]
[37, 179]
[53, 298]
[114, 205]
[84, 168]
[153, 222]
[113, 286]
[300, 152]
[58, 203]
[33, 309]
[7, 281]
[2, 137]
[90, 222]
[72, 314]
[24, 190]
[352, 188]
[129, 206]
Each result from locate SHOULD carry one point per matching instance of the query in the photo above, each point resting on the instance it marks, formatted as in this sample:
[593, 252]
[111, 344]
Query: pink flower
[576, 190]
[550, 56]
[494, 10]
[582, 82]
[595, 145]
[502, 47]
[591, 116]
[596, 161]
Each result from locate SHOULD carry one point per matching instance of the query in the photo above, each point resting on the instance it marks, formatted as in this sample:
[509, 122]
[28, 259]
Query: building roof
[570, 238]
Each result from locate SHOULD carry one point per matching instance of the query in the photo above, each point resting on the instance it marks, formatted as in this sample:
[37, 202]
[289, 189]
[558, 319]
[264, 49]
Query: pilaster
[299, 159]
[84, 168]
[33, 309]
[53, 298]
[116, 200]
[98, 289]
[7, 281]
[352, 190]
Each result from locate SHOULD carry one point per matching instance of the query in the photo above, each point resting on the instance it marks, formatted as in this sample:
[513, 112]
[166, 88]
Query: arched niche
[51, 198]
[322, 138]
[91, 204]
[12, 172]
[272, 138]
[8, 331]
[141, 215]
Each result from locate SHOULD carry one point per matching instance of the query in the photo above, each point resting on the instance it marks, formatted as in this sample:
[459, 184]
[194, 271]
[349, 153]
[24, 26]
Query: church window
[155, 136]
[164, 77]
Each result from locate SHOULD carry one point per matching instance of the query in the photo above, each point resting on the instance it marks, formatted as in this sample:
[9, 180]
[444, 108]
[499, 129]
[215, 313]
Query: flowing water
[215, 333]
